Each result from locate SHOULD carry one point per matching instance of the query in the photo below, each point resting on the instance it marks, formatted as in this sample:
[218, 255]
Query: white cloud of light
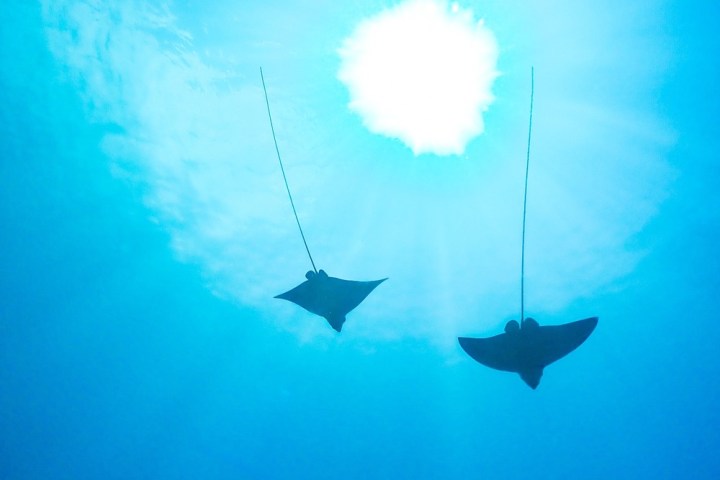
[421, 72]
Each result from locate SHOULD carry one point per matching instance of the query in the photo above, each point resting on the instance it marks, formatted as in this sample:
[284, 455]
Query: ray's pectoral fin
[345, 295]
[556, 341]
[498, 352]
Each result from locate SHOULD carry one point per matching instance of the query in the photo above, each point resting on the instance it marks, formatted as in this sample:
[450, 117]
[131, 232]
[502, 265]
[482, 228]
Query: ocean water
[145, 229]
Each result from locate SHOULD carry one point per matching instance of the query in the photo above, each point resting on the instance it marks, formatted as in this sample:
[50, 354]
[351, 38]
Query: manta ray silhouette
[329, 297]
[528, 350]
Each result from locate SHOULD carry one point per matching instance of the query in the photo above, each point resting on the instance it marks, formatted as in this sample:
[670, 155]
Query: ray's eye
[512, 326]
[530, 323]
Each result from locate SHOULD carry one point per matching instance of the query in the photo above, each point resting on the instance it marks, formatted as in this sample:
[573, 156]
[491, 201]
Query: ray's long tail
[282, 169]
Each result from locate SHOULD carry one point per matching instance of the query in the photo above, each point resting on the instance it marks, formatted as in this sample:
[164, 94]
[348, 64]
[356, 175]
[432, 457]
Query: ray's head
[530, 323]
[512, 326]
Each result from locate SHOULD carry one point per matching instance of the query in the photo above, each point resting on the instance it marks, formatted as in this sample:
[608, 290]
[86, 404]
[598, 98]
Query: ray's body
[329, 297]
[528, 350]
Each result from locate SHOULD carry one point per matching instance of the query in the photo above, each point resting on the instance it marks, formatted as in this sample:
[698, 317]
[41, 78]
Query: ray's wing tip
[373, 284]
[591, 322]
[465, 342]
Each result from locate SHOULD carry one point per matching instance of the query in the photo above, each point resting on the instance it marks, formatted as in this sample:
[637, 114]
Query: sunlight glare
[421, 72]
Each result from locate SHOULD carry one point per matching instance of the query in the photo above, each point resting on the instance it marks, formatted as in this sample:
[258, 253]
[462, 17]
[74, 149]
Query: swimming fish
[329, 297]
[528, 350]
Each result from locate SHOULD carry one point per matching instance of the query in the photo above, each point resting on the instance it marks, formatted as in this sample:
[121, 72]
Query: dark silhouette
[528, 350]
[329, 297]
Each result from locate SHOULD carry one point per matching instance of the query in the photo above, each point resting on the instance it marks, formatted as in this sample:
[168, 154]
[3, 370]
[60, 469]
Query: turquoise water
[145, 230]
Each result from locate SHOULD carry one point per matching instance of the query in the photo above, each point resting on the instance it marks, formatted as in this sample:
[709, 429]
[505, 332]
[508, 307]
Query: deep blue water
[120, 357]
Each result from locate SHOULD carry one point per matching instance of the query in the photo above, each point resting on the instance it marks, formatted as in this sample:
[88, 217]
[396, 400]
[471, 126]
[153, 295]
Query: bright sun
[421, 72]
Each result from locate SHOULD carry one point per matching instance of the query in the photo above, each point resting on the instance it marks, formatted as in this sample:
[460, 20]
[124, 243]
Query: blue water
[130, 349]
